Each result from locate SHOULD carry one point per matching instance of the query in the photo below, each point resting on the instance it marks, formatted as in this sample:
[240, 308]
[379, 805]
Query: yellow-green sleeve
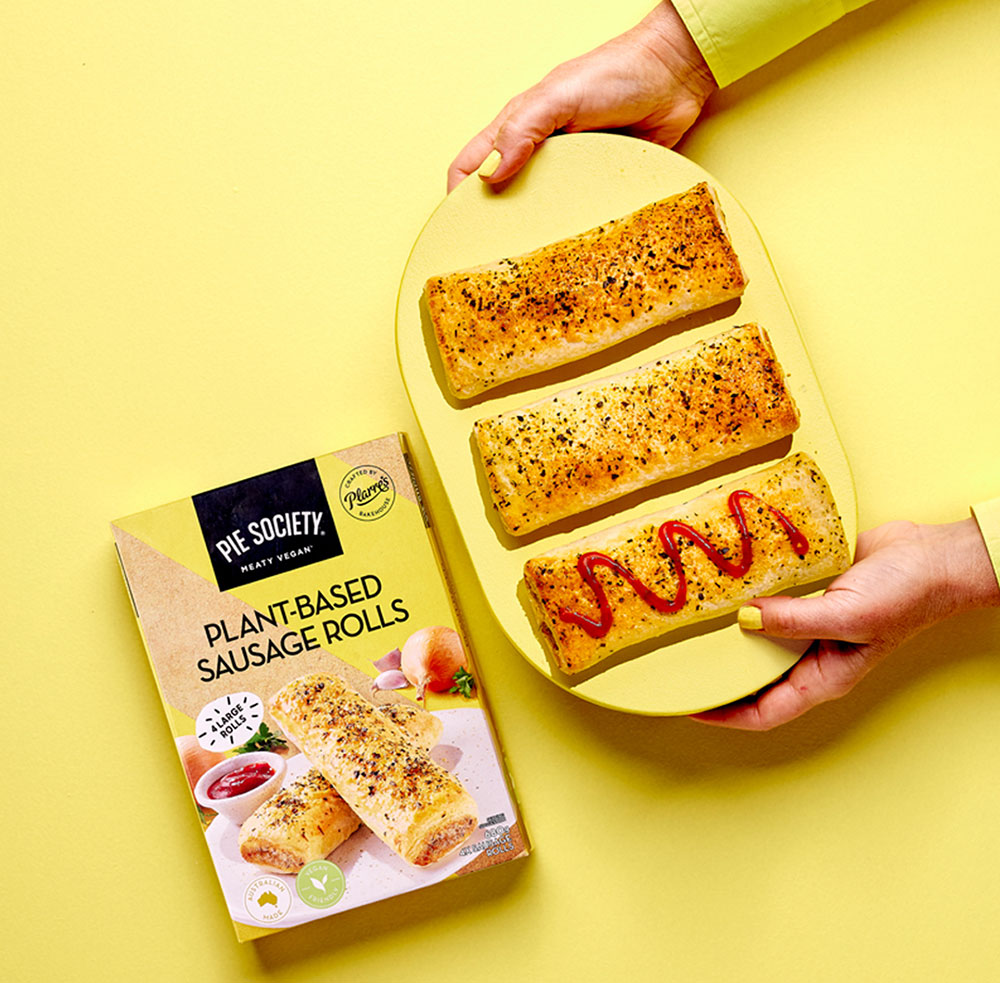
[987, 515]
[737, 36]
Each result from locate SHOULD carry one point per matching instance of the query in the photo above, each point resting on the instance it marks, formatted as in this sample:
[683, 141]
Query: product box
[324, 703]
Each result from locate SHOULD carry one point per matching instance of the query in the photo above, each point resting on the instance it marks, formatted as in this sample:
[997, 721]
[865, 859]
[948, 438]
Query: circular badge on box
[267, 900]
[320, 884]
[367, 492]
[229, 721]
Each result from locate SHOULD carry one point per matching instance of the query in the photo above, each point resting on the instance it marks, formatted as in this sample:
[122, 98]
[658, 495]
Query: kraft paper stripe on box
[323, 700]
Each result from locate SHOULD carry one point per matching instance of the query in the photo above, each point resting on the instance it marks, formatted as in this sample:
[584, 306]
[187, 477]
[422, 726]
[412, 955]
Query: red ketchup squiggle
[668, 531]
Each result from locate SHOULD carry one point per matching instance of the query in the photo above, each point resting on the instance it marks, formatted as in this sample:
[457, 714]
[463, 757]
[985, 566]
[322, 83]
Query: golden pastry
[409, 801]
[759, 535]
[518, 316]
[590, 444]
[307, 820]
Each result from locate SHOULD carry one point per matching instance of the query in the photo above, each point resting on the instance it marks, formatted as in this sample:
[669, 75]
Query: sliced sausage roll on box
[590, 444]
[566, 300]
[307, 820]
[759, 535]
[404, 797]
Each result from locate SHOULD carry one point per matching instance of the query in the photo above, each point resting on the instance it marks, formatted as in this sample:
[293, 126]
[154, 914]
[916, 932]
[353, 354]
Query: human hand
[905, 578]
[650, 82]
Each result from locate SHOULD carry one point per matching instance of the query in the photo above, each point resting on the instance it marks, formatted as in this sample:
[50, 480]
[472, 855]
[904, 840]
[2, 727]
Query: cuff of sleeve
[987, 516]
[736, 38]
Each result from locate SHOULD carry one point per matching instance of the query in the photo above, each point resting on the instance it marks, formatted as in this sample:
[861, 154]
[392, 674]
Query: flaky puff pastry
[771, 530]
[564, 301]
[404, 797]
[593, 443]
[307, 820]
[421, 726]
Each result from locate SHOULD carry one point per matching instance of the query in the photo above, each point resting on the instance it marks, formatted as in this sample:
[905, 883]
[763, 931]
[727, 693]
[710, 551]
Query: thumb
[824, 617]
[513, 146]
[471, 156]
[525, 123]
[505, 146]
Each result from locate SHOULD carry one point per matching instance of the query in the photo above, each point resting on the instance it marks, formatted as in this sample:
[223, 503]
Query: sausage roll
[422, 726]
[522, 315]
[409, 801]
[307, 820]
[759, 535]
[590, 444]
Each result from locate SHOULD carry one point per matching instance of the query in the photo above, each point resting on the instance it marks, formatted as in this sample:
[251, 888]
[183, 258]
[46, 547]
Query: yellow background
[206, 212]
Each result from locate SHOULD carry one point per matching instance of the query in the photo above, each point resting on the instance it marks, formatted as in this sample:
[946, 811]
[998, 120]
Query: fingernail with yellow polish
[489, 166]
[749, 618]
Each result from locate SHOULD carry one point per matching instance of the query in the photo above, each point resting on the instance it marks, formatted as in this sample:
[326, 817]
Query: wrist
[969, 577]
[667, 36]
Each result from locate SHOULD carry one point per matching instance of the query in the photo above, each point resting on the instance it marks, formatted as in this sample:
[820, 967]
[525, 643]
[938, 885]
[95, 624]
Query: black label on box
[267, 525]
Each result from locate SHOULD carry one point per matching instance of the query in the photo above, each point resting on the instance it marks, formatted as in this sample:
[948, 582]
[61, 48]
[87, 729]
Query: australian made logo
[367, 492]
[267, 525]
[267, 899]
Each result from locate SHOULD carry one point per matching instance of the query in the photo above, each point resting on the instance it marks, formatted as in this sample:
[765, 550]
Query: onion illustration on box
[324, 703]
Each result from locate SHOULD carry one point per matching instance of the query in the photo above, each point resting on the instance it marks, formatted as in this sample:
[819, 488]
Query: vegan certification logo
[320, 884]
[367, 492]
[267, 899]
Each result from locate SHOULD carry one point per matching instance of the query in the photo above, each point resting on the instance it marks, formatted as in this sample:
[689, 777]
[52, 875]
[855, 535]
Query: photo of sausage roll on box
[307, 820]
[767, 532]
[393, 785]
[522, 315]
[322, 697]
[598, 441]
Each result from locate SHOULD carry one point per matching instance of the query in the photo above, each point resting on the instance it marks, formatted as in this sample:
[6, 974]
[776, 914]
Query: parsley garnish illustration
[263, 740]
[464, 683]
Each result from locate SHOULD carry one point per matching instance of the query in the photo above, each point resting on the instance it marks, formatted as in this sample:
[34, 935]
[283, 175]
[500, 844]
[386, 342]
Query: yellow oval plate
[573, 183]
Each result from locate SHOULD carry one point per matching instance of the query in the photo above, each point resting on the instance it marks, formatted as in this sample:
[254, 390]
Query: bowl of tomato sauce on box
[234, 788]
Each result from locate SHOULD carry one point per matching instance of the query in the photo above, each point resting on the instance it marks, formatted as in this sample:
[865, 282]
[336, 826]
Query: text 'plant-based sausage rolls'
[404, 797]
[590, 444]
[522, 315]
[759, 535]
[307, 820]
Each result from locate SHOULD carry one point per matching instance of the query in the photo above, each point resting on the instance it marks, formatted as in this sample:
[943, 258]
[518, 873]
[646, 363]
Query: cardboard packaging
[326, 570]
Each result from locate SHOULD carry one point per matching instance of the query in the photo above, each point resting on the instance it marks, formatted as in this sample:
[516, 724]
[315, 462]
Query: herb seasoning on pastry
[762, 534]
[593, 443]
[404, 797]
[564, 301]
[307, 820]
